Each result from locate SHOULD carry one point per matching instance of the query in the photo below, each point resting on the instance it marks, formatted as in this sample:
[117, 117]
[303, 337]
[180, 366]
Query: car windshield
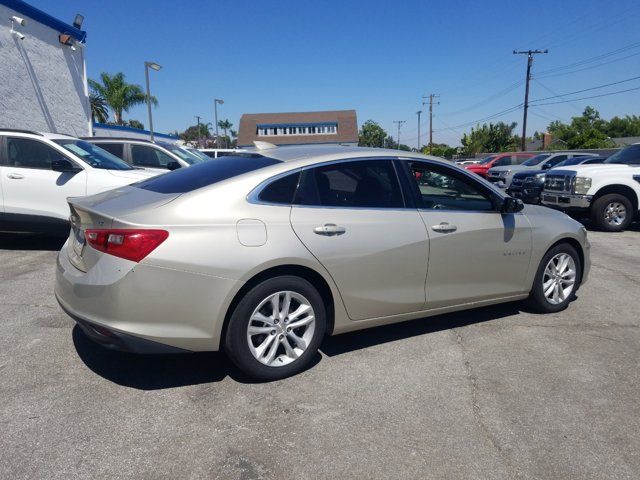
[629, 156]
[185, 155]
[570, 161]
[487, 159]
[206, 173]
[536, 160]
[93, 155]
[198, 154]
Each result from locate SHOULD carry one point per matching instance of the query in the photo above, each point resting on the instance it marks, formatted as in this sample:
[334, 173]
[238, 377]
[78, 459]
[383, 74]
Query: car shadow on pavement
[155, 372]
[20, 241]
[349, 342]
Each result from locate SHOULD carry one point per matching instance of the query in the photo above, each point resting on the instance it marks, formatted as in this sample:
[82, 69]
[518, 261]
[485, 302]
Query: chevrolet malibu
[263, 256]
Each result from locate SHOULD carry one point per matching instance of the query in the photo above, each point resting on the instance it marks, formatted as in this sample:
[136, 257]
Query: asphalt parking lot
[491, 393]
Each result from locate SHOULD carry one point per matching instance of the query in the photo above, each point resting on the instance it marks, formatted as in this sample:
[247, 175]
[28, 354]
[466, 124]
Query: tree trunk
[118, 117]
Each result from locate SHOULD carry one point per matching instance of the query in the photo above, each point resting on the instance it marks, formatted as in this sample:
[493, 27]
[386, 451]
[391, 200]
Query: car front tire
[612, 212]
[276, 328]
[556, 280]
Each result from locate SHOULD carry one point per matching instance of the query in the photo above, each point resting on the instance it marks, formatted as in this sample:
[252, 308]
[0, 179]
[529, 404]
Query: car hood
[528, 173]
[511, 168]
[601, 168]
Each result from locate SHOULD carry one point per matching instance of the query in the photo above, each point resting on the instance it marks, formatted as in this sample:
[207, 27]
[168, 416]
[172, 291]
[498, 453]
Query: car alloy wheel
[281, 328]
[615, 214]
[559, 278]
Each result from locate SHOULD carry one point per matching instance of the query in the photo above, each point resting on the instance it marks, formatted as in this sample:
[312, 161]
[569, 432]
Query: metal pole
[399, 122]
[530, 54]
[419, 112]
[523, 141]
[198, 118]
[215, 110]
[146, 74]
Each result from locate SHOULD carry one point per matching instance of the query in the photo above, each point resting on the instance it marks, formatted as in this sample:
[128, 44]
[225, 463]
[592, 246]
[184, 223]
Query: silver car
[263, 256]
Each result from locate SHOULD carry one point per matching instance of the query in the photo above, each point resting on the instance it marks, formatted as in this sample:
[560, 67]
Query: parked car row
[39, 171]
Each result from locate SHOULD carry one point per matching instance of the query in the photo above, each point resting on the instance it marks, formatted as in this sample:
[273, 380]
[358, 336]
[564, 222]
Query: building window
[306, 129]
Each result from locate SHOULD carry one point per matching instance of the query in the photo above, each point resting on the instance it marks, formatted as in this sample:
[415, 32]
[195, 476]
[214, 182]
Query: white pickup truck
[609, 192]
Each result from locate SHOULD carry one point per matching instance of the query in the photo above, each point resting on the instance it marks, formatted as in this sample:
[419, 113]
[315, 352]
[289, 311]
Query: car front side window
[28, 153]
[442, 189]
[352, 184]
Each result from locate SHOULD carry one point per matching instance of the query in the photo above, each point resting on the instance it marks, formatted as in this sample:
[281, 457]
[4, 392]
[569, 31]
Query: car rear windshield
[629, 155]
[93, 154]
[184, 154]
[536, 160]
[207, 173]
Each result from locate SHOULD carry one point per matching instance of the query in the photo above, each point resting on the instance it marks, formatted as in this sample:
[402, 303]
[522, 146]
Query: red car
[498, 160]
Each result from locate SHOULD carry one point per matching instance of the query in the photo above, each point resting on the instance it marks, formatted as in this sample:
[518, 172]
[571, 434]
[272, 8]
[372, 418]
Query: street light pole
[156, 67]
[419, 112]
[216, 101]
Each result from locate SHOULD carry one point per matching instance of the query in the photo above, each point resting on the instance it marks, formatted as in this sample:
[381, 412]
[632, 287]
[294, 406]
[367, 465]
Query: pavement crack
[475, 406]
[631, 278]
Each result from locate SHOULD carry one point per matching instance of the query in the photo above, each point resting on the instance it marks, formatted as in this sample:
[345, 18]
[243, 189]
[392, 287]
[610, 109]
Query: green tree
[119, 95]
[440, 150]
[225, 125]
[585, 131]
[491, 137]
[194, 133]
[99, 111]
[372, 135]
[629, 126]
[136, 124]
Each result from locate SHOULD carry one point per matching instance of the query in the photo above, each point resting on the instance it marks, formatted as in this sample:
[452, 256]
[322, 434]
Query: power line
[592, 96]
[483, 119]
[495, 96]
[590, 67]
[587, 89]
[591, 59]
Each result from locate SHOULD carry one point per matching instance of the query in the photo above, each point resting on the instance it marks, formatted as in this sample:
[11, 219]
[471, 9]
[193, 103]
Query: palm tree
[99, 112]
[118, 94]
[225, 125]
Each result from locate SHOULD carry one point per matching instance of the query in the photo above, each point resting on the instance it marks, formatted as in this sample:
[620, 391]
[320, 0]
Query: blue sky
[378, 57]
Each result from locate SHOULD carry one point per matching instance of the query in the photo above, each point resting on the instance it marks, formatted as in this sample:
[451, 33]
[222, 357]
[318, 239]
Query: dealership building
[43, 82]
[338, 127]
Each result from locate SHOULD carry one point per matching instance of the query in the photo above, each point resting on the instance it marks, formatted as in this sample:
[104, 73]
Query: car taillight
[131, 244]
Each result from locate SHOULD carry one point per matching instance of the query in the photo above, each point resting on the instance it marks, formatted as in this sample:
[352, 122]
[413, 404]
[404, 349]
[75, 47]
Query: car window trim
[494, 197]
[56, 148]
[253, 196]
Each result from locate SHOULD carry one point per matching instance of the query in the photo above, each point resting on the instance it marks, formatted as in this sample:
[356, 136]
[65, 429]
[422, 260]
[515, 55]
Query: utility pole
[198, 118]
[399, 122]
[419, 112]
[529, 54]
[432, 96]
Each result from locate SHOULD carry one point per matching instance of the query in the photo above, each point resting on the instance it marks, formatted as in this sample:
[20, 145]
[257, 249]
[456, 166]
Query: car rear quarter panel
[204, 242]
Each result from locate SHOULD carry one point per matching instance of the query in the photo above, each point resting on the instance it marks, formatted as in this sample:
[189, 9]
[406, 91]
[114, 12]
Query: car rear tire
[276, 328]
[557, 279]
[612, 212]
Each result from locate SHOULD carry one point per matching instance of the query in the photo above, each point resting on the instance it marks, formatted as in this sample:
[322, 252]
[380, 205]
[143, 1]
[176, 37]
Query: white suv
[38, 171]
[609, 192]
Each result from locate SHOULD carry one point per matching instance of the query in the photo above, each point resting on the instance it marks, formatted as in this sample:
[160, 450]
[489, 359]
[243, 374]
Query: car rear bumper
[566, 200]
[127, 307]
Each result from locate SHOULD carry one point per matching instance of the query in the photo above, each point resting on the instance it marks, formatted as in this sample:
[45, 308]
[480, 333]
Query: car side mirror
[511, 205]
[173, 165]
[546, 166]
[65, 166]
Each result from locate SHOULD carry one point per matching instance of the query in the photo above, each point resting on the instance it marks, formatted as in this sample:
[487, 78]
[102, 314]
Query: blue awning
[45, 19]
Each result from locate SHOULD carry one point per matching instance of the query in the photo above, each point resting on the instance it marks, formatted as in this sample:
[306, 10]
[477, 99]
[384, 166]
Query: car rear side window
[116, 149]
[280, 191]
[360, 184]
[28, 153]
[207, 173]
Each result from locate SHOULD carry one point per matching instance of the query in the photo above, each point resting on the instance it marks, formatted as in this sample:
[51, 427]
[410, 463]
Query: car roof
[315, 153]
[48, 135]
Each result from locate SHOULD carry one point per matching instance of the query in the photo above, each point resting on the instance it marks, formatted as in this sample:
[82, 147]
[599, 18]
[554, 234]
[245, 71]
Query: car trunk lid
[100, 212]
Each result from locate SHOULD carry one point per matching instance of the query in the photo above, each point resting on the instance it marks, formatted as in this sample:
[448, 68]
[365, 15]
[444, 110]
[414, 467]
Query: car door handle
[15, 176]
[444, 227]
[329, 229]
